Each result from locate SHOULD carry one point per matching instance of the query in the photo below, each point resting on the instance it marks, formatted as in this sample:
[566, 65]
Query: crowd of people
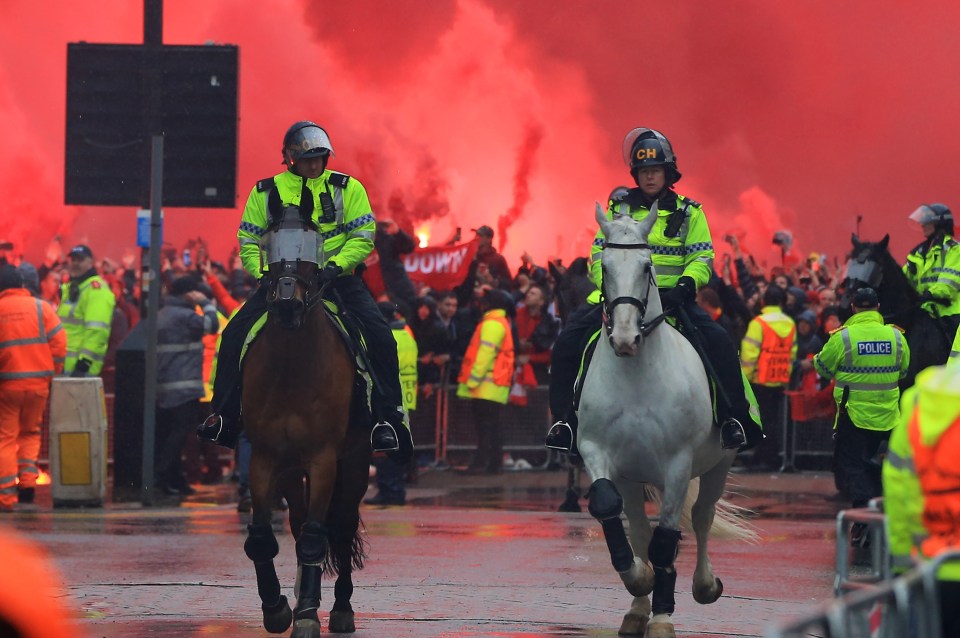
[497, 332]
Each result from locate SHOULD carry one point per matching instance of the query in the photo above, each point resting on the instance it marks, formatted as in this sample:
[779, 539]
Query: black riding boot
[223, 427]
[562, 435]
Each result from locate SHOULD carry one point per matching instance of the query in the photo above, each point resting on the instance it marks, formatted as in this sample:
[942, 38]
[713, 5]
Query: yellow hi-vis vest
[87, 323]
[867, 358]
[932, 405]
[769, 348]
[487, 370]
[407, 354]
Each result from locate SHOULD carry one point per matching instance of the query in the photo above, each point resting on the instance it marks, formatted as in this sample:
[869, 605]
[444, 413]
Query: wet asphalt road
[467, 556]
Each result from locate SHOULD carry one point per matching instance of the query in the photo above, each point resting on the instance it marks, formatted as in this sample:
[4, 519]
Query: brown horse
[298, 383]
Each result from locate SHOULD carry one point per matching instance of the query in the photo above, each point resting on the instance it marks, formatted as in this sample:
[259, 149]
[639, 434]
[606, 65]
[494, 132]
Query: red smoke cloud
[794, 116]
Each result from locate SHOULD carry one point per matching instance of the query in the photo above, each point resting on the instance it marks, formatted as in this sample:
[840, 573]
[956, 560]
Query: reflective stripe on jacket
[407, 354]
[867, 359]
[487, 370]
[927, 438]
[33, 343]
[769, 348]
[87, 322]
[346, 241]
[938, 272]
[180, 332]
[689, 253]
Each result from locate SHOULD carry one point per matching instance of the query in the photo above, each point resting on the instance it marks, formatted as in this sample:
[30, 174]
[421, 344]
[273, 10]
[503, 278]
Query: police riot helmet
[305, 139]
[937, 214]
[643, 147]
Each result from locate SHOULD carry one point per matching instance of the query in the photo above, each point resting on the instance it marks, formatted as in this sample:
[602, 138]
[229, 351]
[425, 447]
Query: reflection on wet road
[468, 556]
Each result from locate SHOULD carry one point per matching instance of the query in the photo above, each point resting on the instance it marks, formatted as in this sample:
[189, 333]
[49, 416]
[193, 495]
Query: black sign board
[119, 95]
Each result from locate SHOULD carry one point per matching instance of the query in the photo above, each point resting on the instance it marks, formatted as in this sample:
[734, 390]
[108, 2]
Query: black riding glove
[82, 369]
[329, 273]
[927, 296]
[684, 291]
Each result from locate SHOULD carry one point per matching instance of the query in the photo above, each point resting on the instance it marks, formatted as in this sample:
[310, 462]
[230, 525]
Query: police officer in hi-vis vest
[338, 205]
[767, 354]
[86, 311]
[921, 484]
[867, 359]
[683, 259]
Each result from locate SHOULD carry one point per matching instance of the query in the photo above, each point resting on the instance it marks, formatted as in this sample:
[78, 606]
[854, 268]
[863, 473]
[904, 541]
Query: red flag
[439, 268]
[442, 267]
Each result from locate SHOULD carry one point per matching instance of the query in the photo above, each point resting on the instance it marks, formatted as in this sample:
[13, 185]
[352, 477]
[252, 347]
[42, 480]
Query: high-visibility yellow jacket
[87, 322]
[347, 239]
[937, 271]
[685, 251]
[867, 358]
[407, 355]
[487, 370]
[769, 348]
[919, 520]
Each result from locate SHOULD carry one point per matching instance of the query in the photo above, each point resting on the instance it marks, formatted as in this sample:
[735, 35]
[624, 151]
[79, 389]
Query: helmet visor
[310, 141]
[628, 143]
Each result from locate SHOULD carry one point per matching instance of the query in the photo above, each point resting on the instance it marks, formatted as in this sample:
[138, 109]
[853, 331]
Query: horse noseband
[285, 289]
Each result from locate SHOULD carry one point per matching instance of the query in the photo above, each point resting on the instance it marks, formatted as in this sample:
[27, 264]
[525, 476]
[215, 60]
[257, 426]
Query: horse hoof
[707, 595]
[660, 630]
[306, 628]
[341, 622]
[633, 624]
[277, 618]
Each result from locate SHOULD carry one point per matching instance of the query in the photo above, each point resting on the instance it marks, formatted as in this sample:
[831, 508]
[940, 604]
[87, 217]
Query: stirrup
[732, 435]
[560, 437]
[216, 430]
[383, 438]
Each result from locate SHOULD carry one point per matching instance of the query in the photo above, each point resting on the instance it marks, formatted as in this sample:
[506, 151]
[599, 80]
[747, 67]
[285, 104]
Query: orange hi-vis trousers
[20, 415]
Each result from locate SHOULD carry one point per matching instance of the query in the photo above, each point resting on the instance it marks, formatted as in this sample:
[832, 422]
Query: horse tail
[731, 522]
[347, 551]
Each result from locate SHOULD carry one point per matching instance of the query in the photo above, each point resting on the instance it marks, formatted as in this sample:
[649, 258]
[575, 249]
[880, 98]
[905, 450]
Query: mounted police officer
[683, 259]
[867, 358]
[338, 205]
[933, 266]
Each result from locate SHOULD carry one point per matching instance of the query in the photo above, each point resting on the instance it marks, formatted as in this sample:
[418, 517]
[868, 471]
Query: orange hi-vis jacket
[936, 467]
[487, 369]
[33, 343]
[775, 362]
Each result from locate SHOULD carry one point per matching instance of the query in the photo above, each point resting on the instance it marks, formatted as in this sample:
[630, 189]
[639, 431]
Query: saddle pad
[588, 355]
[357, 348]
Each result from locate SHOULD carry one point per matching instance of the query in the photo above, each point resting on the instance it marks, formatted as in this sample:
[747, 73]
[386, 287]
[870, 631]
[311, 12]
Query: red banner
[439, 268]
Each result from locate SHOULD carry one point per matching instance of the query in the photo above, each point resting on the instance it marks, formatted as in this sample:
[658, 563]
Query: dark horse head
[870, 264]
[292, 249]
[572, 286]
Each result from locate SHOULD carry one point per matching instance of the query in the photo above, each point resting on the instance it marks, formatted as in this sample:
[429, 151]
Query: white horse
[646, 419]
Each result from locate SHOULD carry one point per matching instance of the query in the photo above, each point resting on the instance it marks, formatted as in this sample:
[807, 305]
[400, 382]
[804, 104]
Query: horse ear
[601, 216]
[855, 240]
[555, 272]
[647, 223]
[885, 241]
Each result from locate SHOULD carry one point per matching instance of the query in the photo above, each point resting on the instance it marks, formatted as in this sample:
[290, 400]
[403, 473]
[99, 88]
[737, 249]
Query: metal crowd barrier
[879, 565]
[444, 432]
[806, 436]
[897, 608]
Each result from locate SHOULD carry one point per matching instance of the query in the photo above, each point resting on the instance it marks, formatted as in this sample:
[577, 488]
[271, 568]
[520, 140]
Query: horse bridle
[641, 304]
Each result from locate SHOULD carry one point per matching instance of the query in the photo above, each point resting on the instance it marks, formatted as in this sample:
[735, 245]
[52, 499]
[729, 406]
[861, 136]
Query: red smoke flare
[780, 117]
